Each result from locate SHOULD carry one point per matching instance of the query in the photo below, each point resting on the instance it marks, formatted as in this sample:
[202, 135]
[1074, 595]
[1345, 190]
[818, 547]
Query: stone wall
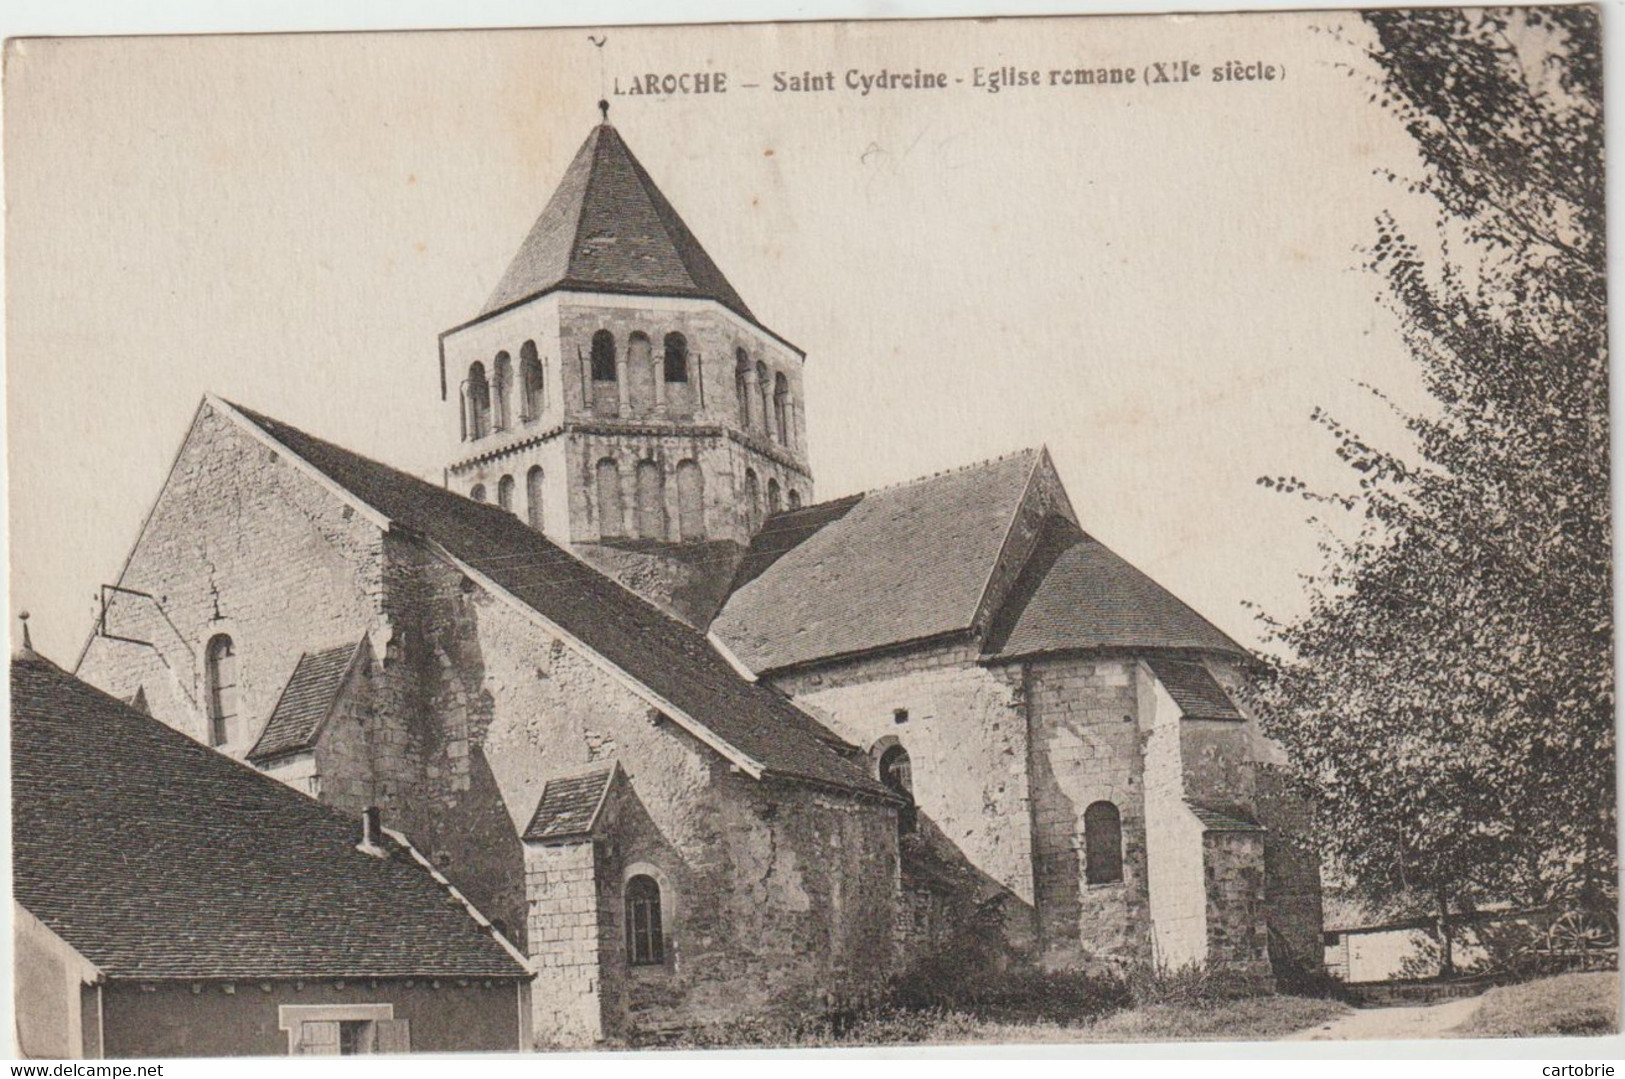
[1237, 936]
[778, 895]
[343, 757]
[241, 542]
[966, 737]
[1086, 748]
[1174, 848]
[564, 933]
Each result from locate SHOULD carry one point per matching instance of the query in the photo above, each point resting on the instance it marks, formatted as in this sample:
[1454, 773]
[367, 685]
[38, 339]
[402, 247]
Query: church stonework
[702, 747]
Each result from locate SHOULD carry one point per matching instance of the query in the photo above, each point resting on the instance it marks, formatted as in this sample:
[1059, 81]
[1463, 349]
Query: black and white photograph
[1065, 531]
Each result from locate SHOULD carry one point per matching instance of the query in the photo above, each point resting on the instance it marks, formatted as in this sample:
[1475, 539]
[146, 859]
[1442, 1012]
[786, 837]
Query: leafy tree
[1448, 698]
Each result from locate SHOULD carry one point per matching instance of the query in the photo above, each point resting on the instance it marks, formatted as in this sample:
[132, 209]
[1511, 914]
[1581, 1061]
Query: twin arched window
[505, 493]
[676, 357]
[651, 501]
[220, 674]
[781, 408]
[645, 934]
[1102, 844]
[488, 401]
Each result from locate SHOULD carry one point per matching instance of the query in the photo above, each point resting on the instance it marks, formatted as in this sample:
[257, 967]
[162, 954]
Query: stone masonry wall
[1085, 748]
[1237, 935]
[966, 737]
[563, 928]
[1174, 845]
[239, 542]
[779, 895]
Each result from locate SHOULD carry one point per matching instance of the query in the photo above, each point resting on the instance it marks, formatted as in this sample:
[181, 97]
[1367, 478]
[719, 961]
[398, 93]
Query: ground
[1570, 1004]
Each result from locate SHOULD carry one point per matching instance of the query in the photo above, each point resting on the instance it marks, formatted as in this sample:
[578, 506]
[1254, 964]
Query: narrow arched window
[897, 772]
[773, 505]
[742, 385]
[690, 501]
[753, 501]
[603, 356]
[645, 935]
[651, 504]
[640, 372]
[220, 672]
[477, 492]
[795, 499]
[505, 493]
[478, 393]
[676, 359]
[533, 496]
[781, 407]
[611, 520]
[1102, 844]
[502, 390]
[764, 390]
[530, 382]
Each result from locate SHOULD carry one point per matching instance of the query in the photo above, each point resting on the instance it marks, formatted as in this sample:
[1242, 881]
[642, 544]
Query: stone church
[700, 745]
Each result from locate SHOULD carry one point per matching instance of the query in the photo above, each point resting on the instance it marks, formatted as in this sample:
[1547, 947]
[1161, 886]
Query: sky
[1158, 282]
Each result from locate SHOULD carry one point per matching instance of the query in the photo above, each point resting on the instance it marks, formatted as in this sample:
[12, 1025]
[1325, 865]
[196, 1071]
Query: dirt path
[1430, 1021]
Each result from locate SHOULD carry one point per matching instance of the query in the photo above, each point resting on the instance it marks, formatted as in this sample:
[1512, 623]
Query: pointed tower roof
[609, 229]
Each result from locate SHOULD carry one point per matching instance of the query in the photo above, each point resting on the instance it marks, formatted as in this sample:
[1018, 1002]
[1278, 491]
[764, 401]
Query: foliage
[1448, 697]
[1569, 1004]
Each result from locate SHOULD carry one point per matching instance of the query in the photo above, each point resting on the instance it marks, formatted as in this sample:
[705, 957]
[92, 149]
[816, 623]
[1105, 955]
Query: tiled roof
[1194, 689]
[608, 228]
[569, 806]
[1076, 595]
[306, 701]
[670, 658]
[158, 858]
[1216, 818]
[894, 565]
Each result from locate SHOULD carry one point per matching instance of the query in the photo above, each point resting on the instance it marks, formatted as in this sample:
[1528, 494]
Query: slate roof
[1075, 594]
[158, 858]
[568, 808]
[608, 228]
[1217, 818]
[306, 701]
[898, 564]
[1194, 689]
[665, 655]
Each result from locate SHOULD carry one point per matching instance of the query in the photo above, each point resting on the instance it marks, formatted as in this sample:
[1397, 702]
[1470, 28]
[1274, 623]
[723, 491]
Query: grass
[1257, 1018]
[1569, 1004]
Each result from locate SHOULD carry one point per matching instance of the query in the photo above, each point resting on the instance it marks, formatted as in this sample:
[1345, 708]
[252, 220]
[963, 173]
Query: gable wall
[237, 529]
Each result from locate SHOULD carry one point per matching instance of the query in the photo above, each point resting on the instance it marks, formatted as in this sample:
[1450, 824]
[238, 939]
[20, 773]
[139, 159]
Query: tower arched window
[502, 390]
[1102, 844]
[676, 357]
[640, 372]
[773, 504]
[611, 519]
[742, 385]
[795, 499]
[477, 394]
[220, 674]
[477, 492]
[533, 496]
[690, 501]
[781, 407]
[764, 390]
[530, 383]
[753, 501]
[651, 504]
[603, 356]
[505, 493]
[645, 935]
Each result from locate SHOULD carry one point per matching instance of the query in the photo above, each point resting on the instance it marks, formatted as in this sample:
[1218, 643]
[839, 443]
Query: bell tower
[618, 394]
